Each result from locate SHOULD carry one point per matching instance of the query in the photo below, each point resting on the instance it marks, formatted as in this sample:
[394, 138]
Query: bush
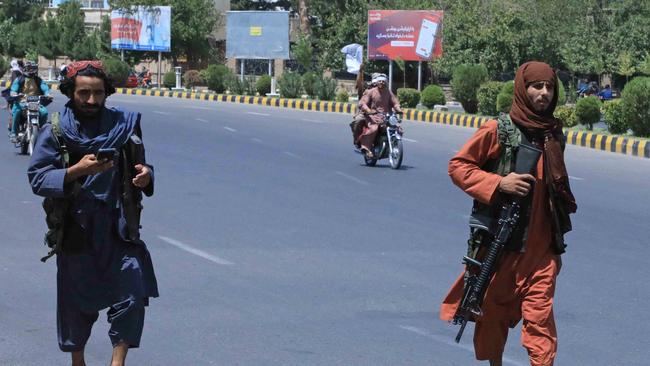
[587, 111]
[636, 105]
[561, 96]
[325, 88]
[408, 97]
[613, 112]
[504, 99]
[465, 82]
[192, 78]
[308, 83]
[263, 85]
[290, 85]
[432, 95]
[117, 70]
[342, 96]
[4, 66]
[487, 97]
[237, 86]
[216, 76]
[169, 79]
[565, 114]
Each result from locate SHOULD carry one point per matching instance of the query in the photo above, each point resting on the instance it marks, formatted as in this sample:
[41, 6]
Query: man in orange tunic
[523, 285]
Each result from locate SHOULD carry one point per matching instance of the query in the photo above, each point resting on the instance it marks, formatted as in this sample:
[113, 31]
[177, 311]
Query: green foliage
[70, 18]
[238, 86]
[408, 97]
[465, 83]
[263, 85]
[48, 39]
[215, 77]
[342, 96]
[290, 85]
[636, 105]
[117, 70]
[561, 95]
[625, 65]
[302, 52]
[432, 95]
[308, 83]
[4, 66]
[565, 114]
[31, 55]
[192, 78]
[169, 79]
[325, 88]
[22, 10]
[504, 99]
[587, 111]
[487, 97]
[614, 118]
[644, 66]
[8, 31]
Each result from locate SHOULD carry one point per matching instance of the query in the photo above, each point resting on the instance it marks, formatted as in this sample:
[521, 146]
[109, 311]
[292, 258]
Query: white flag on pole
[353, 57]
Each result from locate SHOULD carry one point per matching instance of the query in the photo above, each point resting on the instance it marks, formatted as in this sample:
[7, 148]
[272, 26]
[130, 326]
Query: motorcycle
[29, 126]
[144, 79]
[388, 143]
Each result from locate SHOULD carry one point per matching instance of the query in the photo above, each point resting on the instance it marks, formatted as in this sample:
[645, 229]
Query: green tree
[302, 51]
[7, 30]
[22, 10]
[625, 65]
[48, 40]
[71, 22]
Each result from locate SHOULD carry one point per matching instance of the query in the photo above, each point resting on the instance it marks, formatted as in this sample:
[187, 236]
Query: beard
[86, 110]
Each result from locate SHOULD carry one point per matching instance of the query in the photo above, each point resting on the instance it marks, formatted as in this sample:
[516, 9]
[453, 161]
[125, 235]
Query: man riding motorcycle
[375, 104]
[28, 84]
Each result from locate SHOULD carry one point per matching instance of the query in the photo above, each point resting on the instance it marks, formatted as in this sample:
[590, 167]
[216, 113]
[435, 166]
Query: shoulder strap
[509, 139]
[60, 141]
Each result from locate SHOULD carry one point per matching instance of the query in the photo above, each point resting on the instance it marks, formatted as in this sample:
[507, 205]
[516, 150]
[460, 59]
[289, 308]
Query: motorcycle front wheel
[396, 155]
[32, 139]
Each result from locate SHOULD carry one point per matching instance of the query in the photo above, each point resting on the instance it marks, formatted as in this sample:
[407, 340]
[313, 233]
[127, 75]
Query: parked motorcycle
[388, 143]
[29, 126]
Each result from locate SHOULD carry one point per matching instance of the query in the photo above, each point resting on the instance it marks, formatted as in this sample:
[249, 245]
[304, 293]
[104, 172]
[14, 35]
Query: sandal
[367, 152]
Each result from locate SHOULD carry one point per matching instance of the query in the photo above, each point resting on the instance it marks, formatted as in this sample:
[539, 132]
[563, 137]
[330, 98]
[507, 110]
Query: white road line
[256, 139]
[354, 179]
[201, 120]
[449, 342]
[197, 252]
[258, 114]
[161, 112]
[576, 178]
[292, 155]
[195, 107]
[311, 120]
[229, 129]
[409, 140]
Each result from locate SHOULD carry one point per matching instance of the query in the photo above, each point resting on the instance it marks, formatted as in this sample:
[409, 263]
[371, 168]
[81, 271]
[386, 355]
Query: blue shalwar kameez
[98, 267]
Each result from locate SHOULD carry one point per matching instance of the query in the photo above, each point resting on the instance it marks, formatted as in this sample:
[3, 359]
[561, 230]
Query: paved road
[274, 245]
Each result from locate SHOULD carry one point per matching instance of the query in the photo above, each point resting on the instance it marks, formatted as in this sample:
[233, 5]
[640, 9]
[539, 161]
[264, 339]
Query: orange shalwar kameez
[524, 283]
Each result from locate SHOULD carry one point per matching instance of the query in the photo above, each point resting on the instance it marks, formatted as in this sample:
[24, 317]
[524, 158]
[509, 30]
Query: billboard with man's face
[142, 28]
[409, 35]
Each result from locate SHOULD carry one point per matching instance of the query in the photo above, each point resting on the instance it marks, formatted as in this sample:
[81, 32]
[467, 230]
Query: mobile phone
[426, 38]
[106, 154]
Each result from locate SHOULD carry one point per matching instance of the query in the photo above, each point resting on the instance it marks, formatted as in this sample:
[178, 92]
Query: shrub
[237, 86]
[636, 105]
[432, 95]
[4, 66]
[465, 82]
[117, 70]
[487, 97]
[325, 88]
[308, 83]
[169, 79]
[566, 115]
[561, 95]
[504, 99]
[408, 97]
[587, 111]
[263, 85]
[216, 76]
[342, 96]
[613, 112]
[192, 78]
[290, 85]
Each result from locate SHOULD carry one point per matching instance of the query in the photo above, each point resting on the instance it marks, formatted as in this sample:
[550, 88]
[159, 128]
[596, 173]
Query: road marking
[161, 112]
[576, 178]
[354, 179]
[256, 139]
[409, 140]
[202, 120]
[195, 107]
[258, 114]
[449, 342]
[229, 129]
[312, 120]
[197, 252]
[293, 155]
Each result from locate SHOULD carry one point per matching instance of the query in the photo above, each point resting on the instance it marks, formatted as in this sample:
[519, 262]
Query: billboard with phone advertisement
[409, 35]
[142, 28]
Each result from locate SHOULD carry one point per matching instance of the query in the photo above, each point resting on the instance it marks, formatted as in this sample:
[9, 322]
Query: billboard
[257, 35]
[410, 35]
[142, 29]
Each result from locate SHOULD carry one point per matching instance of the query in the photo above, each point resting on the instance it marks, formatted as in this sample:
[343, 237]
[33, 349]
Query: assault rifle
[476, 284]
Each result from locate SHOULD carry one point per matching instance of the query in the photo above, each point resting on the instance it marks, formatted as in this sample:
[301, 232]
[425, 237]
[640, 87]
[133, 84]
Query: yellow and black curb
[617, 144]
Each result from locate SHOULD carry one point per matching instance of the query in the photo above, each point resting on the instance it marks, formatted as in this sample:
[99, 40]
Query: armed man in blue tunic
[90, 163]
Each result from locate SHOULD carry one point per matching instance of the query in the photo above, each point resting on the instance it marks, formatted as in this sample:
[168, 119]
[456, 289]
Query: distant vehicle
[132, 80]
[388, 143]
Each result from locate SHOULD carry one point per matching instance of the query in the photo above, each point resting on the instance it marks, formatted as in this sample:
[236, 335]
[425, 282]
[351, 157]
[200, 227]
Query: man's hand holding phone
[91, 164]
